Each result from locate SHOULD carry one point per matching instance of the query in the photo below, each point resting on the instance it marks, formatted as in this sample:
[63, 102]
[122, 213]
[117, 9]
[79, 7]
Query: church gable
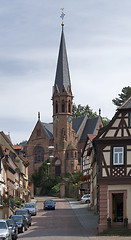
[39, 133]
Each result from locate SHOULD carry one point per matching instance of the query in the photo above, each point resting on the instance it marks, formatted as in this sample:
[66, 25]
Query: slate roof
[126, 104]
[76, 123]
[90, 128]
[62, 71]
[48, 128]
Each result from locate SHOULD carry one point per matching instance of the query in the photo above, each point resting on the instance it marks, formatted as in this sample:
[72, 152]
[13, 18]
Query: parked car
[26, 213]
[21, 222]
[85, 198]
[31, 207]
[14, 228]
[5, 230]
[49, 204]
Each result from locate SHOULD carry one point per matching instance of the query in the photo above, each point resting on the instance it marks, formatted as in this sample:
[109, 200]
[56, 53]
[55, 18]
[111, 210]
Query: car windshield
[49, 202]
[17, 218]
[3, 225]
[21, 213]
[28, 205]
[10, 222]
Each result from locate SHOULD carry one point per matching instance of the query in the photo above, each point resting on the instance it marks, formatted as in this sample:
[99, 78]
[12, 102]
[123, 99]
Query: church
[63, 140]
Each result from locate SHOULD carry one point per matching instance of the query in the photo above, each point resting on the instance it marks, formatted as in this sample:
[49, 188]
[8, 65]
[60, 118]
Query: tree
[123, 96]
[43, 180]
[79, 110]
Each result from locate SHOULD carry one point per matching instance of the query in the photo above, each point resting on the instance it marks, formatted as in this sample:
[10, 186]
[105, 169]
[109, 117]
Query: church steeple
[62, 72]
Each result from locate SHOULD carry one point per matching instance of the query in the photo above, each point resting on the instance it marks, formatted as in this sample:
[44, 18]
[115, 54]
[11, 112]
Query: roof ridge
[125, 103]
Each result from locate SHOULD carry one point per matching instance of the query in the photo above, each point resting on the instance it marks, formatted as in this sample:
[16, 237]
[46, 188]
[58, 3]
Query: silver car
[31, 207]
[85, 198]
[5, 230]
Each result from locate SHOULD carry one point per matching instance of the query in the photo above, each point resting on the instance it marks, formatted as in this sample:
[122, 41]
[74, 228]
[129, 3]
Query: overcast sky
[98, 42]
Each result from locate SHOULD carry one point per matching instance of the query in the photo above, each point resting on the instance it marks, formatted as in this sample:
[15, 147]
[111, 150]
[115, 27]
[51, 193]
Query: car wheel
[14, 238]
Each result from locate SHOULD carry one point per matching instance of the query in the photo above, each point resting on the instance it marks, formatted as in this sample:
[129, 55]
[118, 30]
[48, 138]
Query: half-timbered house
[113, 157]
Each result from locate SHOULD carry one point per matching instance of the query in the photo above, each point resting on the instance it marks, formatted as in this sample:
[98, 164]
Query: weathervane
[62, 16]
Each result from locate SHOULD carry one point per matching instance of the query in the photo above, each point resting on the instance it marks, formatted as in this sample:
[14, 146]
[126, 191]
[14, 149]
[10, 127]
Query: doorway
[57, 170]
[117, 207]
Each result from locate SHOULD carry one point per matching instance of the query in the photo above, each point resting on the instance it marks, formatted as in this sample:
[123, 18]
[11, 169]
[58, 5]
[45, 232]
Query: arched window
[39, 154]
[56, 107]
[57, 168]
[63, 106]
[69, 106]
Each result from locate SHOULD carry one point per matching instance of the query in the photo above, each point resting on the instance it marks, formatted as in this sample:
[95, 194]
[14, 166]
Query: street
[70, 221]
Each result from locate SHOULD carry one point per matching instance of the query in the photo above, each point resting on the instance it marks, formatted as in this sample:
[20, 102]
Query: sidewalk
[85, 216]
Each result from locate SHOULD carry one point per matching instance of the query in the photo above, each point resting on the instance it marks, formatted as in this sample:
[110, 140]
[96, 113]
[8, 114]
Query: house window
[129, 119]
[118, 155]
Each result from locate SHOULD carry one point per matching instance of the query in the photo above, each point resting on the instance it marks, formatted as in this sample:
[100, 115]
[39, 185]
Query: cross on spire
[62, 16]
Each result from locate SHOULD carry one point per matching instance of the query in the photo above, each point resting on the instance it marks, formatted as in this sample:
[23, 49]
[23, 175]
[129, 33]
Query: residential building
[113, 160]
[15, 172]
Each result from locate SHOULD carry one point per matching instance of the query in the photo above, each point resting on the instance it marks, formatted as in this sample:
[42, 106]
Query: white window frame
[118, 155]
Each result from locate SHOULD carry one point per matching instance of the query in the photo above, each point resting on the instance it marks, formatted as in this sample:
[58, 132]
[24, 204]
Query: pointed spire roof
[62, 72]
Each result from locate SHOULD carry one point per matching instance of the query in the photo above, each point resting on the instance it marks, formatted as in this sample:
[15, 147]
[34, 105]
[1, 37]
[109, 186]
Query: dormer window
[118, 155]
[63, 106]
[129, 119]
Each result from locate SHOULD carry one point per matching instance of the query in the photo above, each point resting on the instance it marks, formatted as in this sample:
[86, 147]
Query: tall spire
[62, 72]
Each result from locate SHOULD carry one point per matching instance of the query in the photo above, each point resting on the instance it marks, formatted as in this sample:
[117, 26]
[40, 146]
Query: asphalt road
[70, 221]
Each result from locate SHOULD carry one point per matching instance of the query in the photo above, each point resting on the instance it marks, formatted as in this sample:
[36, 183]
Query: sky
[98, 42]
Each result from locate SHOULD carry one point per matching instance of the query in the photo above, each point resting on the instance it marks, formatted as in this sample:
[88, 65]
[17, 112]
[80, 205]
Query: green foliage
[41, 176]
[42, 179]
[79, 111]
[55, 189]
[105, 121]
[75, 177]
[123, 96]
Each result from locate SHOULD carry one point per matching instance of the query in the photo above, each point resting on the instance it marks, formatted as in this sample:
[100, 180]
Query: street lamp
[51, 148]
[48, 165]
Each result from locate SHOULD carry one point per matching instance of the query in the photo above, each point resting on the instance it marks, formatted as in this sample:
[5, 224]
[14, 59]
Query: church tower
[65, 150]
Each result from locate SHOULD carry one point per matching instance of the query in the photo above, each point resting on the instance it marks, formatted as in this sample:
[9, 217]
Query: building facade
[113, 161]
[63, 140]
